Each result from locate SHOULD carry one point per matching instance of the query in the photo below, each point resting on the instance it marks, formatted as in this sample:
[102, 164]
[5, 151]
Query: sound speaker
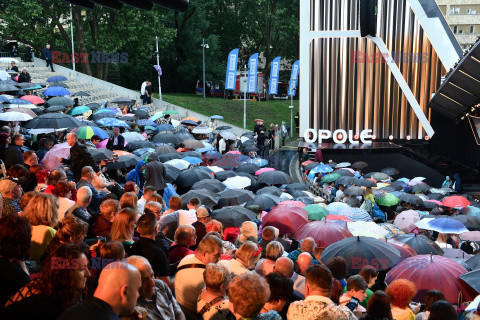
[368, 17]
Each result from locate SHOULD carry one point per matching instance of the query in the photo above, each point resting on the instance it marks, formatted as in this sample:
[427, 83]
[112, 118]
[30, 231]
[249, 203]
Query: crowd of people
[81, 240]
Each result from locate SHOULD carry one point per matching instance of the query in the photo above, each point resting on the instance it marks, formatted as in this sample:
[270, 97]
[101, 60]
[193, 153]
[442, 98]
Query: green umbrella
[331, 177]
[170, 112]
[315, 212]
[387, 200]
[78, 110]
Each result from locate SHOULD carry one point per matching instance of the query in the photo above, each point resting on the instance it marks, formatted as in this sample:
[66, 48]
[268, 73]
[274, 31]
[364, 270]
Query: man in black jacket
[79, 157]
[155, 174]
[14, 153]
[24, 76]
[117, 141]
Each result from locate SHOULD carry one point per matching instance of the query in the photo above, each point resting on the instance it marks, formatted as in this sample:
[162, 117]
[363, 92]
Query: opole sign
[339, 136]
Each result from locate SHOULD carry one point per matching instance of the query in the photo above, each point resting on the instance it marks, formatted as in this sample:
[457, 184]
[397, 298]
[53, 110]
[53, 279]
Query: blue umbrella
[259, 162]
[189, 122]
[211, 154]
[207, 148]
[323, 168]
[18, 101]
[165, 127]
[106, 111]
[56, 79]
[146, 122]
[193, 160]
[56, 91]
[111, 122]
[143, 152]
[447, 225]
[3, 99]
[217, 117]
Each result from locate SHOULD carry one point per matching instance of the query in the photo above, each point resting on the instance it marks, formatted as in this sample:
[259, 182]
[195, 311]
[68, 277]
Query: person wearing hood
[448, 183]
[457, 186]
[136, 175]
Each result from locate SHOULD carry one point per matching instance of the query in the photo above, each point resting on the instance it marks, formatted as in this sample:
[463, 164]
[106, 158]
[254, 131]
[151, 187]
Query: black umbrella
[141, 114]
[270, 190]
[124, 118]
[37, 111]
[248, 134]
[354, 191]
[430, 205]
[52, 121]
[474, 262]
[306, 200]
[359, 165]
[8, 88]
[390, 171]
[187, 178]
[55, 109]
[207, 197]
[250, 149]
[122, 101]
[296, 186]
[232, 217]
[123, 162]
[264, 201]
[470, 222]
[169, 156]
[167, 137]
[58, 84]
[23, 85]
[171, 173]
[346, 181]
[248, 143]
[411, 199]
[472, 278]
[232, 197]
[394, 187]
[60, 101]
[419, 243]
[310, 166]
[81, 94]
[274, 178]
[134, 145]
[94, 105]
[101, 115]
[344, 172]
[165, 148]
[224, 175]
[221, 128]
[100, 154]
[421, 187]
[184, 135]
[365, 183]
[189, 122]
[211, 185]
[248, 168]
[191, 153]
[360, 251]
[435, 196]
[297, 193]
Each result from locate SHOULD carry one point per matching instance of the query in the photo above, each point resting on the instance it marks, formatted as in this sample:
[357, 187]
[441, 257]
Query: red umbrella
[430, 272]
[339, 217]
[292, 203]
[286, 218]
[33, 99]
[324, 232]
[405, 250]
[456, 202]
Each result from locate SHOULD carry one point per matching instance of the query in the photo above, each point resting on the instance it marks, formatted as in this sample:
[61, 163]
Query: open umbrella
[234, 197]
[171, 173]
[122, 101]
[237, 182]
[390, 171]
[287, 218]
[193, 144]
[354, 191]
[86, 132]
[81, 94]
[360, 251]
[360, 214]
[224, 175]
[61, 150]
[133, 136]
[446, 225]
[55, 109]
[421, 187]
[324, 233]
[274, 178]
[233, 216]
[30, 112]
[406, 220]
[112, 122]
[264, 201]
[180, 164]
[344, 172]
[419, 243]
[248, 168]
[15, 116]
[340, 208]
[164, 137]
[56, 91]
[471, 223]
[53, 120]
[216, 117]
[296, 186]
[78, 110]
[134, 145]
[211, 185]
[368, 229]
[292, 203]
[60, 101]
[411, 199]
[202, 130]
[221, 128]
[57, 79]
[207, 197]
[430, 272]
[33, 99]
[188, 177]
[405, 250]
[169, 156]
[141, 114]
[316, 212]
[456, 202]
[124, 161]
[260, 171]
[365, 183]
[473, 236]
[330, 177]
[100, 154]
[270, 190]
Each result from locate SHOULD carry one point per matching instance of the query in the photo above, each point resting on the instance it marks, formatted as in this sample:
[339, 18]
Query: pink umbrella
[292, 203]
[33, 99]
[288, 219]
[429, 272]
[103, 144]
[435, 201]
[259, 172]
[406, 220]
[405, 250]
[324, 232]
[414, 182]
[470, 236]
[234, 152]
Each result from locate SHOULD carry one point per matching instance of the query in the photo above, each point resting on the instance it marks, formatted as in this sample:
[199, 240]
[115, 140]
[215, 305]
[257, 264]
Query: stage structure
[382, 80]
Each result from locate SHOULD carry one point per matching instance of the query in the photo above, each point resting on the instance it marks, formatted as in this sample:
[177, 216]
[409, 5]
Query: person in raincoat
[457, 186]
[283, 132]
[448, 183]
[136, 175]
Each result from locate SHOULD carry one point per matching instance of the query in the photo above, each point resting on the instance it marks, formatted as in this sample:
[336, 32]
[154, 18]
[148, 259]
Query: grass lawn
[273, 111]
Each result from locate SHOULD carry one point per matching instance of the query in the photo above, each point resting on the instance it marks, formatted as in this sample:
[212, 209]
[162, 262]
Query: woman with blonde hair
[123, 227]
[212, 301]
[245, 259]
[42, 212]
[129, 200]
[248, 231]
[70, 230]
[274, 251]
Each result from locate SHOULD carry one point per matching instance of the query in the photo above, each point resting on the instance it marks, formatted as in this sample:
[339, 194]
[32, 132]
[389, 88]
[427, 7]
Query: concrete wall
[158, 105]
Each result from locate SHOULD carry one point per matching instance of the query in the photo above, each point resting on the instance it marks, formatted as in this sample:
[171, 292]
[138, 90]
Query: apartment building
[463, 17]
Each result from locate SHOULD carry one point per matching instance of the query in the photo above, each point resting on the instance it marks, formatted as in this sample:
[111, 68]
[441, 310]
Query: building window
[472, 29]
[460, 31]
[455, 29]
[468, 11]
[457, 10]
[474, 11]
[452, 10]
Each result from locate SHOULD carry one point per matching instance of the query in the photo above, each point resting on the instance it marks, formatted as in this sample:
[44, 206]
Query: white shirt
[142, 90]
[189, 283]
[64, 205]
[187, 217]
[141, 204]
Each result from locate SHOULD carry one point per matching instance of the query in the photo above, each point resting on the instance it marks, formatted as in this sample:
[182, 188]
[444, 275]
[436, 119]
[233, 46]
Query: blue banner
[292, 86]
[252, 73]
[274, 70]
[231, 77]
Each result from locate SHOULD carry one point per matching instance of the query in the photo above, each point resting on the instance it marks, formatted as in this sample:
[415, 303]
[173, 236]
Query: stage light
[374, 137]
[390, 137]
[340, 136]
[356, 137]
[462, 118]
[409, 137]
[427, 138]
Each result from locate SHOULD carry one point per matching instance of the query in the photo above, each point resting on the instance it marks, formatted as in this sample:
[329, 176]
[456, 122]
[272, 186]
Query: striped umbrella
[86, 132]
